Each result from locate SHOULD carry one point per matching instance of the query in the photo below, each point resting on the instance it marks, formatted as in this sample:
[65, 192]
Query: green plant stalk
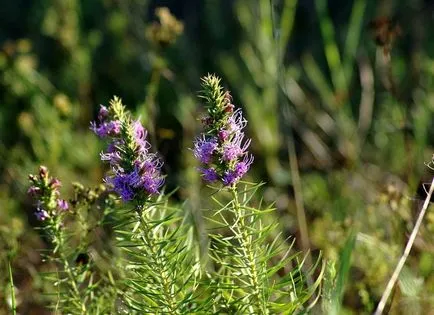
[245, 242]
[11, 283]
[403, 259]
[58, 240]
[149, 241]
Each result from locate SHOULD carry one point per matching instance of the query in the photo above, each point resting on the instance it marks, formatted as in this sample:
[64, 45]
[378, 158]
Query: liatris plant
[154, 267]
[162, 273]
[245, 279]
[88, 288]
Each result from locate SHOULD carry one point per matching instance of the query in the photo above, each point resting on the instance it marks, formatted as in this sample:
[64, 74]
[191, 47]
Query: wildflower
[243, 166]
[45, 190]
[204, 149]
[209, 174]
[135, 172]
[34, 191]
[222, 148]
[41, 214]
[55, 183]
[62, 204]
[105, 127]
[103, 113]
[235, 148]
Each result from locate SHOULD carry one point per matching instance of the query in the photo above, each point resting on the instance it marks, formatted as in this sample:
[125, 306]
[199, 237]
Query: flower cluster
[45, 190]
[222, 148]
[134, 170]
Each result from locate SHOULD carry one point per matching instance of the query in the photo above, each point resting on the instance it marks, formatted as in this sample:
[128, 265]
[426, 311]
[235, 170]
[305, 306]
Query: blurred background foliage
[339, 109]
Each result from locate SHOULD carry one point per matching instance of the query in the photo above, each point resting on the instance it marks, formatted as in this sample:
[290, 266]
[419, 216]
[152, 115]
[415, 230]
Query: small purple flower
[236, 121]
[121, 185]
[34, 191]
[103, 113]
[151, 183]
[140, 134]
[229, 178]
[112, 157]
[204, 149]
[114, 127]
[55, 183]
[223, 135]
[134, 179]
[62, 204]
[43, 171]
[41, 214]
[106, 128]
[139, 131]
[209, 174]
[243, 166]
[235, 148]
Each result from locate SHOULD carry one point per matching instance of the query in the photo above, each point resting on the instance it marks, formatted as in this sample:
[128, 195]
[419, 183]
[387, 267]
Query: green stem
[246, 245]
[157, 262]
[11, 283]
[67, 268]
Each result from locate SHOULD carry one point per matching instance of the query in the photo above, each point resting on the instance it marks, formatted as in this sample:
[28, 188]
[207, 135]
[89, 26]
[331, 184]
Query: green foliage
[255, 274]
[162, 271]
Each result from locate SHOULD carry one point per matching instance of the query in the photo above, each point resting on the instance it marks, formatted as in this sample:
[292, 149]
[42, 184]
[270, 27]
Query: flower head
[45, 191]
[222, 148]
[209, 174]
[135, 172]
[204, 149]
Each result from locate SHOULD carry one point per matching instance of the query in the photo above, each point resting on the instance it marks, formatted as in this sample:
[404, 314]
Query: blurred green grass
[315, 89]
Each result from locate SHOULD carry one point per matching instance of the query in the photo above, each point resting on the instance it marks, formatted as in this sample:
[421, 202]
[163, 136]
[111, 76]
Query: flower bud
[43, 171]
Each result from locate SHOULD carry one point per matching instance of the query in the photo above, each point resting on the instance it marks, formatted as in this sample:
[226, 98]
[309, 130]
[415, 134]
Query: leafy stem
[59, 243]
[245, 240]
[158, 263]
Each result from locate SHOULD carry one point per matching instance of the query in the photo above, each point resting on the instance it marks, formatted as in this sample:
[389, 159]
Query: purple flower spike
[45, 192]
[135, 172]
[222, 148]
